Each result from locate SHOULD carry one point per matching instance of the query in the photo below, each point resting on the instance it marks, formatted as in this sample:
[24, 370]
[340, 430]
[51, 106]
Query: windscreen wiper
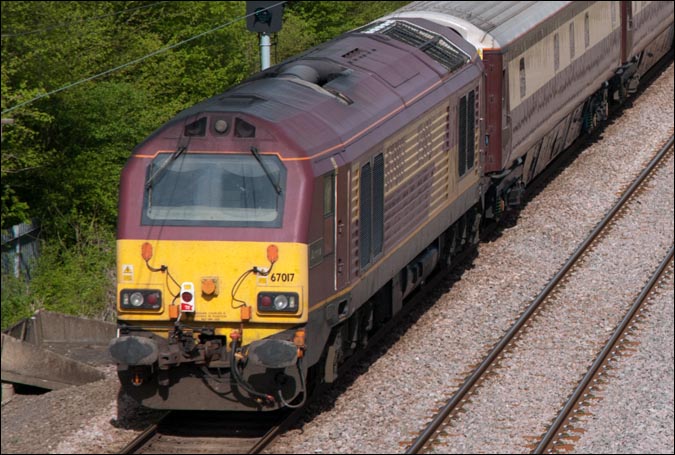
[277, 188]
[179, 151]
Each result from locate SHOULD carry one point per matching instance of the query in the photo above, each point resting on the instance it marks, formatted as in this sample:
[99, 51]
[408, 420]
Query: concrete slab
[25, 363]
[53, 350]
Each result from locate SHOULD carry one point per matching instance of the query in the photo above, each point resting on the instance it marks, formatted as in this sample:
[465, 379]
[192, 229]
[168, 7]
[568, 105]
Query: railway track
[440, 423]
[211, 432]
[559, 432]
[214, 432]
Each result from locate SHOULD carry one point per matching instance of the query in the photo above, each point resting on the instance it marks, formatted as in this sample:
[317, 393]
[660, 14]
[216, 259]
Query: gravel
[642, 381]
[385, 402]
[85, 419]
[535, 377]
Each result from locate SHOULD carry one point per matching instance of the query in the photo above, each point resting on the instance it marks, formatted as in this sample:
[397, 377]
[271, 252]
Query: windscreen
[214, 190]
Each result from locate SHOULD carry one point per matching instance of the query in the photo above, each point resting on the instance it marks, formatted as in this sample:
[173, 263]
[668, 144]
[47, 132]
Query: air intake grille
[435, 46]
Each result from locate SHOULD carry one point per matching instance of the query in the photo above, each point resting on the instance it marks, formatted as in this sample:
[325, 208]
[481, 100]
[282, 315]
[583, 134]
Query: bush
[17, 301]
[72, 279]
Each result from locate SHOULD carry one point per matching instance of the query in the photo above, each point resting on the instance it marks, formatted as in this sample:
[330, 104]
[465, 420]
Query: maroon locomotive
[265, 232]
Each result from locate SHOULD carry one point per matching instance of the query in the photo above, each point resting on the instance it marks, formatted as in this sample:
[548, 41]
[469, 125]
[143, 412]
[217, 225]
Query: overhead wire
[133, 62]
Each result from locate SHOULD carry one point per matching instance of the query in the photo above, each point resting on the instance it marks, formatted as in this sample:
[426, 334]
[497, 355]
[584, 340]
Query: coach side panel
[550, 77]
[652, 31]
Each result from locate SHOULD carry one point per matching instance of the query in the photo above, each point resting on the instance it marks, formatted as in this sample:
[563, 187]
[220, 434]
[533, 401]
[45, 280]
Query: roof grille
[432, 44]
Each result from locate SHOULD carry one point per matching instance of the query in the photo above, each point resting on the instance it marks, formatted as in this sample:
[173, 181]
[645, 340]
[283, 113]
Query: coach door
[626, 30]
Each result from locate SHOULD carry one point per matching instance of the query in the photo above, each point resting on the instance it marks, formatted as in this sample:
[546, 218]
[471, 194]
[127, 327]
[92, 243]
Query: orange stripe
[202, 152]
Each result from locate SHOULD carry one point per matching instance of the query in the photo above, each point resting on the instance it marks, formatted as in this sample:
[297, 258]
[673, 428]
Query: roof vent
[434, 45]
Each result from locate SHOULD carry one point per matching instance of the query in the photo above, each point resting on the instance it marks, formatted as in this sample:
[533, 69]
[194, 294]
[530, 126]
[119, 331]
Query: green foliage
[62, 156]
[326, 20]
[17, 301]
[78, 280]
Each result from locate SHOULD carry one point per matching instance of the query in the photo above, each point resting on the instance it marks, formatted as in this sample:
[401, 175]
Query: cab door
[339, 222]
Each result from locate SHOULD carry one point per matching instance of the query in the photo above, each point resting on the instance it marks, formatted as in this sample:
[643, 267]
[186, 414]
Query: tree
[62, 157]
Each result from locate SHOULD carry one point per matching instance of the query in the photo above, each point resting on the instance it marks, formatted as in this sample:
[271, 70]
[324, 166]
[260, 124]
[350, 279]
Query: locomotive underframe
[344, 325]
[188, 375]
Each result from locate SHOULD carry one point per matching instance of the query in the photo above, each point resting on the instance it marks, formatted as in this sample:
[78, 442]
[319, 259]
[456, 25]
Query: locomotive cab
[212, 267]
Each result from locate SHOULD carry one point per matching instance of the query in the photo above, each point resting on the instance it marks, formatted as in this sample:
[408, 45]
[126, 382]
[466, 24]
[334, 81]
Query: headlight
[280, 302]
[136, 299]
[287, 302]
[140, 299]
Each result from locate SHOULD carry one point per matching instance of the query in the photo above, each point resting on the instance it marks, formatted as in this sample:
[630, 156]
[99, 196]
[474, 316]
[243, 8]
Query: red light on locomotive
[187, 296]
[152, 299]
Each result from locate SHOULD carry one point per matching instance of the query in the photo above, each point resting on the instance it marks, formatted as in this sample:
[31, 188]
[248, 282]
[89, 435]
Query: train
[266, 232]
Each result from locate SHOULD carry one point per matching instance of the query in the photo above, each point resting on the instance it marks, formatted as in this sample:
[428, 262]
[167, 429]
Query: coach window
[571, 40]
[556, 53]
[522, 78]
[587, 31]
[505, 97]
[467, 131]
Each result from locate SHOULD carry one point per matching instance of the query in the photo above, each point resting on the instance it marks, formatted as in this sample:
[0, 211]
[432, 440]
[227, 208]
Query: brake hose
[302, 390]
[240, 381]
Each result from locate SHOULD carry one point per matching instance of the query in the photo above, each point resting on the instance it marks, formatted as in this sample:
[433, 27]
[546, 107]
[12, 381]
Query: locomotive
[264, 233]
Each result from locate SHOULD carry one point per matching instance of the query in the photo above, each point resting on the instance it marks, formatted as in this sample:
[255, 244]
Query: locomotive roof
[488, 24]
[327, 95]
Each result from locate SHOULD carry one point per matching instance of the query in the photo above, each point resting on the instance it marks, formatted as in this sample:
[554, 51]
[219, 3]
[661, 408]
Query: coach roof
[484, 24]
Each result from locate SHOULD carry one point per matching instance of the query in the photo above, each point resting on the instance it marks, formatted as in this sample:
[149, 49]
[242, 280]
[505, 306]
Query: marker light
[272, 253]
[187, 297]
[146, 251]
[152, 299]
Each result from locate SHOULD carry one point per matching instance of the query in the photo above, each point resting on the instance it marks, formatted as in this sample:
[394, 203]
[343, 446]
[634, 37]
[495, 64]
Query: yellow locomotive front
[212, 292]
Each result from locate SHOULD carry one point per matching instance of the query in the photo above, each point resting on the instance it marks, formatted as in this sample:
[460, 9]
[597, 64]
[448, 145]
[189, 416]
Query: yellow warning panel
[127, 272]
